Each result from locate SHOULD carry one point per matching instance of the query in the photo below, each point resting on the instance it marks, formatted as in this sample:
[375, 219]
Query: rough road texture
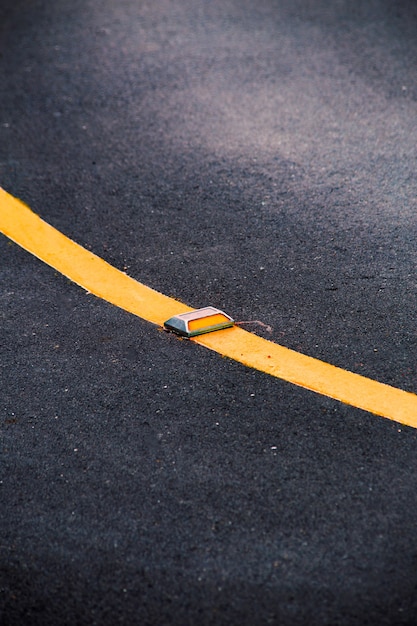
[259, 157]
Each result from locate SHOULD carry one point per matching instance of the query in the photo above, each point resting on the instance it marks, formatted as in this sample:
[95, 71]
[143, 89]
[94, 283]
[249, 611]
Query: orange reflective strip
[205, 322]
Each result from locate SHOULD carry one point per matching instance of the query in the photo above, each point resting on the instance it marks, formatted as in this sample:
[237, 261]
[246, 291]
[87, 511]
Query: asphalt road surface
[255, 156]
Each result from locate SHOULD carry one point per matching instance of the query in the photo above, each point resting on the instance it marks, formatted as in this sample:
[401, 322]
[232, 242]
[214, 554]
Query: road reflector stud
[198, 322]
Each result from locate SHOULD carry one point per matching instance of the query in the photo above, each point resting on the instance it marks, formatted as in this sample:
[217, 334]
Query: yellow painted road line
[92, 273]
[305, 371]
[86, 269]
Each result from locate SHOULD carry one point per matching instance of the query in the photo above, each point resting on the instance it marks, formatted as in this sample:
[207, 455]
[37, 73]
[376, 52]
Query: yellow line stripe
[86, 269]
[315, 375]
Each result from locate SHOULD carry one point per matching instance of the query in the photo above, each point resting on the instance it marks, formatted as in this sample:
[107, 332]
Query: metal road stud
[198, 322]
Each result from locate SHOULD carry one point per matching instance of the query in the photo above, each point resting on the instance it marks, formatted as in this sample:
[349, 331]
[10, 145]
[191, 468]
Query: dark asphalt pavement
[255, 156]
